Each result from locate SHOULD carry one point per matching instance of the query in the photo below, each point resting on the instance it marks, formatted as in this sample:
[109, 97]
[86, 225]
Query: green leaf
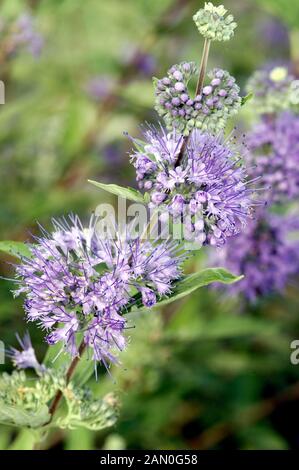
[246, 98]
[191, 282]
[127, 193]
[18, 416]
[203, 278]
[16, 249]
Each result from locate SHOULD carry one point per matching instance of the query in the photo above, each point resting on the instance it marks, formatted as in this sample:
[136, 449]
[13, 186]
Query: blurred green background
[204, 373]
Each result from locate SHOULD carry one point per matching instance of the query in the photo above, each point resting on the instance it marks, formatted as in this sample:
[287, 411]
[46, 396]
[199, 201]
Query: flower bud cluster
[213, 23]
[209, 110]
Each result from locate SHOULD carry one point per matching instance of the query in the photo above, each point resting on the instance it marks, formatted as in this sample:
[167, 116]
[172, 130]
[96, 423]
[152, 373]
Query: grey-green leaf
[191, 282]
[16, 249]
[202, 278]
[17, 416]
[127, 193]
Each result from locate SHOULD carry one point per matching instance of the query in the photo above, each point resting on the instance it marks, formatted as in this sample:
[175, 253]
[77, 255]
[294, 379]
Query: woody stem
[69, 374]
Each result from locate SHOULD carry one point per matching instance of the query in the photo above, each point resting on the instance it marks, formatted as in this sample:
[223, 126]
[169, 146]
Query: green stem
[199, 86]
[294, 50]
[203, 66]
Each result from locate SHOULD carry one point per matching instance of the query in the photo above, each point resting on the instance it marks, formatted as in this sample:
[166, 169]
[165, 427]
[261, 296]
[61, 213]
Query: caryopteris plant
[79, 286]
[267, 252]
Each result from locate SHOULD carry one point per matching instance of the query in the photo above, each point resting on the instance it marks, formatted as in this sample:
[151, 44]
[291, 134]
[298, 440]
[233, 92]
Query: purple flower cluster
[203, 183]
[25, 358]
[218, 101]
[77, 283]
[274, 146]
[26, 35]
[265, 253]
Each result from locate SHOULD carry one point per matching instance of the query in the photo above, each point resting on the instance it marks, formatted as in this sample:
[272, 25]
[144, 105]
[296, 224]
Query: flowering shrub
[79, 285]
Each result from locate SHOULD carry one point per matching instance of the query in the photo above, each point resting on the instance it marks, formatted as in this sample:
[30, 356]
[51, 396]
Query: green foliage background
[198, 373]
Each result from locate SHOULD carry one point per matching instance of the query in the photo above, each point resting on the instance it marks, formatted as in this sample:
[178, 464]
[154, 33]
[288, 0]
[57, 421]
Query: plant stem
[203, 66]
[68, 377]
[199, 86]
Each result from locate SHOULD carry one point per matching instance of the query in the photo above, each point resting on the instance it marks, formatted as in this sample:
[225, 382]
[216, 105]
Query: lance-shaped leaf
[203, 278]
[126, 193]
[192, 282]
[17, 249]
